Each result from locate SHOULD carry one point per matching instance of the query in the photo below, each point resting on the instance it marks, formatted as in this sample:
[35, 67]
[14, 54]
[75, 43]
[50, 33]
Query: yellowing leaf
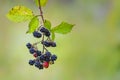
[42, 2]
[20, 14]
[63, 28]
[33, 25]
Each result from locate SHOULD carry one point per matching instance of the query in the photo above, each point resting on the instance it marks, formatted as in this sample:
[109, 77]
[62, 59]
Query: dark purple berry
[47, 54]
[43, 29]
[38, 53]
[53, 44]
[37, 34]
[38, 65]
[41, 66]
[46, 43]
[42, 57]
[28, 45]
[53, 57]
[31, 62]
[31, 50]
[47, 34]
[47, 59]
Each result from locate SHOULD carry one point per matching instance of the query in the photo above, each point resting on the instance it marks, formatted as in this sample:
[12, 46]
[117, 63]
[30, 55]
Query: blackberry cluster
[42, 58]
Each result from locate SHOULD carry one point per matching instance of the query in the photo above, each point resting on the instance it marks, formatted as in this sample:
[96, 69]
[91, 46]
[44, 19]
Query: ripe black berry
[31, 50]
[28, 45]
[47, 54]
[31, 62]
[53, 44]
[38, 65]
[42, 57]
[53, 57]
[46, 43]
[41, 66]
[37, 34]
[47, 34]
[38, 53]
[47, 59]
[43, 29]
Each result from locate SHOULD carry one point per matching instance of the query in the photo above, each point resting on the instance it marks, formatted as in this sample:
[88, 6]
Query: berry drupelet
[31, 62]
[47, 34]
[38, 65]
[42, 57]
[49, 43]
[31, 50]
[37, 34]
[47, 54]
[53, 58]
[45, 31]
[53, 44]
[28, 45]
[46, 43]
[38, 53]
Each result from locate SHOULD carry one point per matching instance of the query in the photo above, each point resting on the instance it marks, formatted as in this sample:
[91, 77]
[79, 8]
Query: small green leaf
[20, 14]
[47, 24]
[42, 2]
[53, 36]
[63, 28]
[34, 23]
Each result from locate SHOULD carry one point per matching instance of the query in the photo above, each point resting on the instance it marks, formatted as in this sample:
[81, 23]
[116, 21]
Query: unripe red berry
[35, 55]
[46, 64]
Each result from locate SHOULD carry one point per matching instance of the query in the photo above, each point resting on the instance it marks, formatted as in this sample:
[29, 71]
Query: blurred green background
[90, 52]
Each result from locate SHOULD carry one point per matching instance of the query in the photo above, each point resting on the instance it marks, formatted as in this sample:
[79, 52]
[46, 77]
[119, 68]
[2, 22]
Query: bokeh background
[90, 52]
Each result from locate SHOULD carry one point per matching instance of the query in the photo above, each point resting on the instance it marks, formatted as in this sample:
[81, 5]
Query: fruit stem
[42, 17]
[41, 12]
[43, 44]
[37, 43]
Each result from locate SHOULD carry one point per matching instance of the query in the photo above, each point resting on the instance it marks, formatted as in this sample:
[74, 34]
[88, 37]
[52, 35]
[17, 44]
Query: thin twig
[42, 17]
[41, 12]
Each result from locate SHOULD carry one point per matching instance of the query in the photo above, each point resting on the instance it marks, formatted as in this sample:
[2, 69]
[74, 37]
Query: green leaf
[53, 36]
[47, 24]
[20, 14]
[34, 23]
[42, 2]
[63, 28]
